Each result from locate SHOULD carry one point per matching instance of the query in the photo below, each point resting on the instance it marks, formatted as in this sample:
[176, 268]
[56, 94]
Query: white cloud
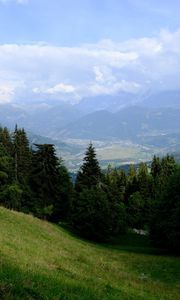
[121, 86]
[6, 93]
[103, 74]
[102, 68]
[61, 88]
[58, 88]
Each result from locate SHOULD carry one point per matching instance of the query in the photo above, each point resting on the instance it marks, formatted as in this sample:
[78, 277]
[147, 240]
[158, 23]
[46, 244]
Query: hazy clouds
[106, 67]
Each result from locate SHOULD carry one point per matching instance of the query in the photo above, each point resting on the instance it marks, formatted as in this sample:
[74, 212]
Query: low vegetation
[42, 261]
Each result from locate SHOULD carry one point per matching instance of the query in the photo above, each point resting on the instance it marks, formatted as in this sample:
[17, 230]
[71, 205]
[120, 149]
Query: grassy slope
[41, 261]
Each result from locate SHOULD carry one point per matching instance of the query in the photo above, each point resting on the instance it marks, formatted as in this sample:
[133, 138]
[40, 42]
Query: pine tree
[90, 173]
[161, 170]
[165, 226]
[62, 204]
[44, 178]
[6, 141]
[97, 210]
[50, 183]
[116, 181]
[10, 192]
[144, 181]
[22, 155]
[155, 172]
[132, 182]
[6, 160]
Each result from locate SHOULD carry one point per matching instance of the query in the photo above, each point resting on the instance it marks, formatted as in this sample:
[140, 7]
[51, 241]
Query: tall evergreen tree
[22, 155]
[132, 182]
[6, 141]
[44, 178]
[165, 226]
[89, 174]
[116, 181]
[50, 183]
[97, 213]
[144, 180]
[161, 170]
[62, 204]
[10, 192]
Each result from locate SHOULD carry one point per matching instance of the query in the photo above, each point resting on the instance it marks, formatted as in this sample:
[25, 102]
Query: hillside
[42, 261]
[134, 123]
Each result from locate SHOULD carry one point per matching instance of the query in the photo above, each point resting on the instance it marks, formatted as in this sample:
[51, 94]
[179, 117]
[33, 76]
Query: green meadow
[39, 260]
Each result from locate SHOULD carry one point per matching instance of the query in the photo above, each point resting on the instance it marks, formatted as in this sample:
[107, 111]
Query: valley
[124, 128]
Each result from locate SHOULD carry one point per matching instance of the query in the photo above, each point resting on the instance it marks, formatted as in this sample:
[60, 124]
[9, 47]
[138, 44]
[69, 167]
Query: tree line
[100, 204]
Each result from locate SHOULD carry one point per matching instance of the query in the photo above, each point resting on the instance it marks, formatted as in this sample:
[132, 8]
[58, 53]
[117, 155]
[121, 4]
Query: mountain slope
[128, 123]
[163, 99]
[42, 261]
[41, 118]
[111, 103]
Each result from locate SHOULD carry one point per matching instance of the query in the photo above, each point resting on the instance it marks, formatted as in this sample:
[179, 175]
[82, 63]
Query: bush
[11, 196]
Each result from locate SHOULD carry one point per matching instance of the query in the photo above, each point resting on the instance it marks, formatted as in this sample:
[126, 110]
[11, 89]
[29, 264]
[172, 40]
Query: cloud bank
[105, 68]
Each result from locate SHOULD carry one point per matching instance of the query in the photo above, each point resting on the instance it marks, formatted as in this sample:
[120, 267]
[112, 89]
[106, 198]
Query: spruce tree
[50, 184]
[22, 155]
[161, 170]
[89, 174]
[165, 226]
[10, 192]
[44, 178]
[6, 141]
[132, 182]
[97, 212]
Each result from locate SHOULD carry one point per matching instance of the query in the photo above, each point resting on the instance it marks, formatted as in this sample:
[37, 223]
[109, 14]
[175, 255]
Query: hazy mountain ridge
[110, 103]
[163, 99]
[129, 123]
[140, 118]
[40, 118]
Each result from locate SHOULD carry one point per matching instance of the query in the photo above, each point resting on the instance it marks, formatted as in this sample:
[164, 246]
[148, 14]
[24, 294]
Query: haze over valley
[124, 128]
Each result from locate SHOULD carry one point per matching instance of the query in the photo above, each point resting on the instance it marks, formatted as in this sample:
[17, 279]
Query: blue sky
[72, 22]
[69, 49]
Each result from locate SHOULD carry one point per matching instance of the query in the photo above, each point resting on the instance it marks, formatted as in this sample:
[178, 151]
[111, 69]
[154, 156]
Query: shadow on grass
[130, 242]
[16, 284]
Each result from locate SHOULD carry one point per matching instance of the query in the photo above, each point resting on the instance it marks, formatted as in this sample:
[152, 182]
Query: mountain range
[151, 119]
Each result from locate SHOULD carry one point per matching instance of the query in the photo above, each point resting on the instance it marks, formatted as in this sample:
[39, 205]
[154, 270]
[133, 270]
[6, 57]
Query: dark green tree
[44, 178]
[90, 173]
[11, 196]
[165, 225]
[50, 184]
[132, 182]
[6, 165]
[62, 204]
[116, 180]
[135, 211]
[145, 189]
[161, 170]
[6, 141]
[97, 210]
[22, 156]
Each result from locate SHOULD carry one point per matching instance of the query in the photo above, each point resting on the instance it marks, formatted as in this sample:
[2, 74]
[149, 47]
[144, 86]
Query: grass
[42, 261]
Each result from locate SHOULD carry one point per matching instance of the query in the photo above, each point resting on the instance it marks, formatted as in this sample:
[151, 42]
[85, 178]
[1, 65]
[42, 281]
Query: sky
[70, 49]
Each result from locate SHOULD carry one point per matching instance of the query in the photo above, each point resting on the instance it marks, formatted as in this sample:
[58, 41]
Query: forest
[101, 204]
